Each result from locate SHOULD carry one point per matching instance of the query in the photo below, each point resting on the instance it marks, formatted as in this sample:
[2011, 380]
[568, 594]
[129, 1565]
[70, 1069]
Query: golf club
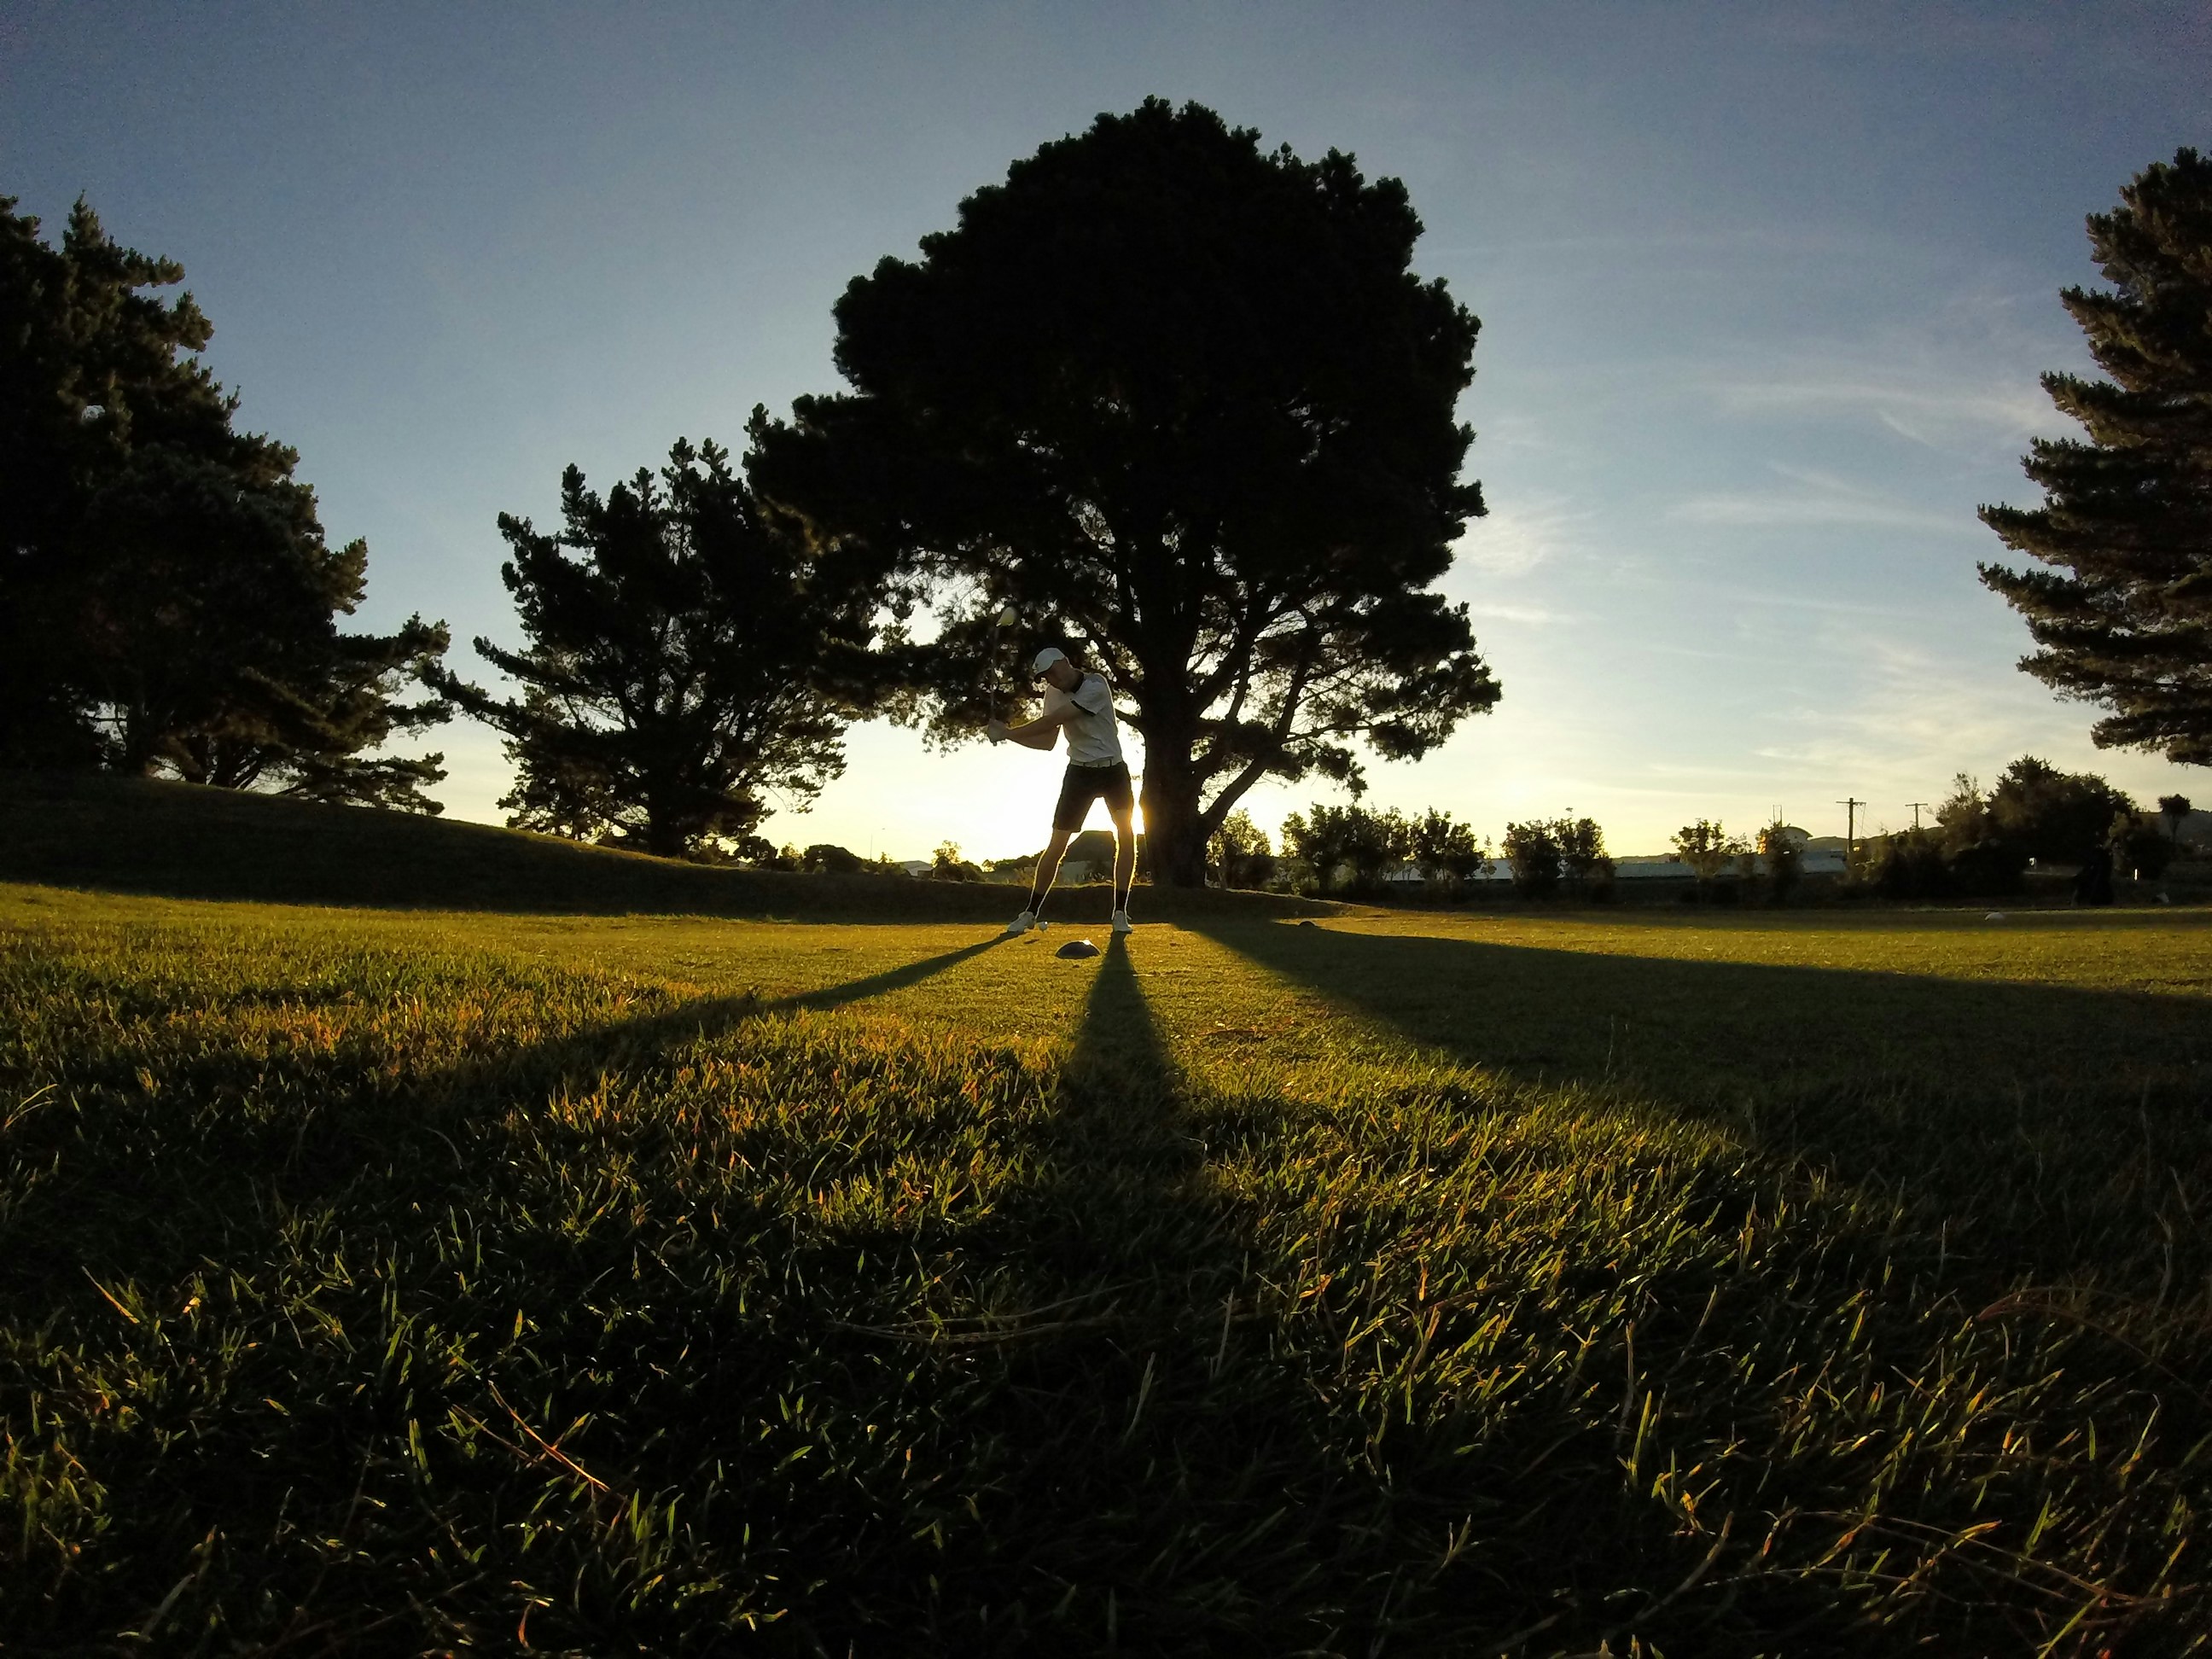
[991, 662]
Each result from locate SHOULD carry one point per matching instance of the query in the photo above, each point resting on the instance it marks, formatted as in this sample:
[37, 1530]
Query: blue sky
[1764, 291]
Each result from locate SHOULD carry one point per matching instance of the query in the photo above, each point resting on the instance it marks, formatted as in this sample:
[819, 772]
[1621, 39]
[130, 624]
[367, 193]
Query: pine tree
[685, 665]
[167, 601]
[2122, 614]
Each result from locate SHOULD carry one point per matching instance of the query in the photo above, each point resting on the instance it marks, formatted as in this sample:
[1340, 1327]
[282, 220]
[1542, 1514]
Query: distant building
[1659, 866]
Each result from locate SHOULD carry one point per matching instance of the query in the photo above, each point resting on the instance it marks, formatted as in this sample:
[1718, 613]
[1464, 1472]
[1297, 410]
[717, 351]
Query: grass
[377, 1281]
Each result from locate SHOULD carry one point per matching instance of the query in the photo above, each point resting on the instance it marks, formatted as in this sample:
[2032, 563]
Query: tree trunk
[1174, 832]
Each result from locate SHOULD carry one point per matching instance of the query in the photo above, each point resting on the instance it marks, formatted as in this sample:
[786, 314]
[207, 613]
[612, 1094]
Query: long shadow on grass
[129, 1216]
[579, 1055]
[1155, 1479]
[2055, 1119]
[1198, 1465]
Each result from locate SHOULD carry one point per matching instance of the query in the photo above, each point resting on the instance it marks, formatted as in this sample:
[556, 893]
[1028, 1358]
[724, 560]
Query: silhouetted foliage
[167, 602]
[1378, 841]
[1182, 400]
[2174, 808]
[1984, 860]
[1708, 849]
[2053, 814]
[949, 865]
[1911, 864]
[1447, 851]
[684, 659]
[1241, 851]
[1782, 849]
[1584, 865]
[824, 858]
[2139, 848]
[1326, 840]
[1532, 852]
[2122, 613]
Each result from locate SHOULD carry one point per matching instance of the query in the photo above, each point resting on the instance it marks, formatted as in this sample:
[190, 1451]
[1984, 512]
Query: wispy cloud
[1529, 616]
[1516, 537]
[1929, 410]
[1817, 499]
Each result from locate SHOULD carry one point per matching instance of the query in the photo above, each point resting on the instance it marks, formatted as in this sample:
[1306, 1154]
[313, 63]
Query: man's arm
[1041, 732]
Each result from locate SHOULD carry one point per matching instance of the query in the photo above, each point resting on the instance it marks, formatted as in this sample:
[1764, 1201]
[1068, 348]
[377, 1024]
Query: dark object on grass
[2093, 885]
[1076, 947]
[1308, 924]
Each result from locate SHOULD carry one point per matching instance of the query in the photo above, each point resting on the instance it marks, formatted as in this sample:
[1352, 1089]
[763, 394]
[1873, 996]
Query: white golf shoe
[1020, 924]
[1121, 924]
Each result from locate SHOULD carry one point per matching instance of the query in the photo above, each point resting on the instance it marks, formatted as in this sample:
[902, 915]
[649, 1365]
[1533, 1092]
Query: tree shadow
[2052, 1115]
[132, 1216]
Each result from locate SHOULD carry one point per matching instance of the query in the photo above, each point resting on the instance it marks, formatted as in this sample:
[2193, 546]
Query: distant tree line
[1982, 842]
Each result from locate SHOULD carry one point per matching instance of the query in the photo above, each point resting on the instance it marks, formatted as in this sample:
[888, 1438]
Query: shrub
[1581, 853]
[2055, 815]
[1784, 850]
[1240, 853]
[2140, 847]
[1911, 863]
[1447, 851]
[1987, 868]
[1533, 854]
[949, 865]
[1326, 839]
[1708, 849]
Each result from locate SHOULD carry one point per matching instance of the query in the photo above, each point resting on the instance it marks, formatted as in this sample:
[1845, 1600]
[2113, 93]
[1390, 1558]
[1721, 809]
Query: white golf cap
[1045, 658]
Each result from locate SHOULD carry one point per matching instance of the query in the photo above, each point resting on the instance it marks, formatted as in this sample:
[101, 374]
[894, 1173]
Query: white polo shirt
[1092, 738]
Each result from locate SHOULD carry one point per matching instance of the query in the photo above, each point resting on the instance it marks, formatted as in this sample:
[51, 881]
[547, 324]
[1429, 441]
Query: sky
[1764, 292]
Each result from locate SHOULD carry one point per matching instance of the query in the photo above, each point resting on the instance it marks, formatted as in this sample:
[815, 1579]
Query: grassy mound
[144, 835]
[402, 1284]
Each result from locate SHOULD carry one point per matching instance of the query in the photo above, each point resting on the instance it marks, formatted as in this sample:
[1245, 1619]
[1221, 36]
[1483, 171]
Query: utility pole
[1850, 831]
[1916, 806]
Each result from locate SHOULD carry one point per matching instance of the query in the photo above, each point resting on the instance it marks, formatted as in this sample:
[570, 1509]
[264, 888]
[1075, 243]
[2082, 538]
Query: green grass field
[394, 1281]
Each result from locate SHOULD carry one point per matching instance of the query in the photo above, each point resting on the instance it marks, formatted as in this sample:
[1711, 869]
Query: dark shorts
[1084, 784]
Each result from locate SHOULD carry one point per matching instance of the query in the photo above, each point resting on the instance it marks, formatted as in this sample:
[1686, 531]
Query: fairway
[1392, 1284]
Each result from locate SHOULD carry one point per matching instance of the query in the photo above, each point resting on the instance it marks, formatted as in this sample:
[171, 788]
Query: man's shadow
[1159, 1390]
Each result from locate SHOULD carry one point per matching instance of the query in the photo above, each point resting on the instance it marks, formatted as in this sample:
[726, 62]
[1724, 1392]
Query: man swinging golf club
[1083, 704]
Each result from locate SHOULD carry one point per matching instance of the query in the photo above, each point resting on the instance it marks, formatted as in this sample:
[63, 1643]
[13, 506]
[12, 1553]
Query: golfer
[1084, 704]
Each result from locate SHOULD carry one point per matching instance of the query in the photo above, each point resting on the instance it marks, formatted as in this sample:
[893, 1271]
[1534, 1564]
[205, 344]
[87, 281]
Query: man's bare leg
[1125, 863]
[1048, 866]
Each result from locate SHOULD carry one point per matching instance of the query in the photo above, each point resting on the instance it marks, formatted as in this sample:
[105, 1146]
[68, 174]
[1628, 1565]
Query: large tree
[1182, 401]
[2122, 613]
[687, 655]
[167, 601]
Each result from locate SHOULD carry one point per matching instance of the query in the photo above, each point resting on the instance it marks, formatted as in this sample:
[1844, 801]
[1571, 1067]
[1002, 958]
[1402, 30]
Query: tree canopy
[2122, 614]
[2035, 810]
[1183, 402]
[170, 603]
[683, 660]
